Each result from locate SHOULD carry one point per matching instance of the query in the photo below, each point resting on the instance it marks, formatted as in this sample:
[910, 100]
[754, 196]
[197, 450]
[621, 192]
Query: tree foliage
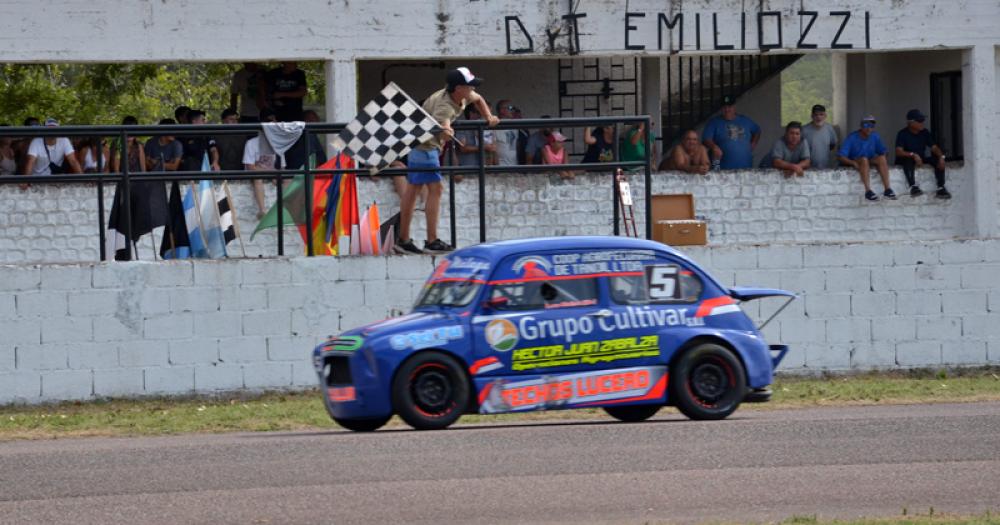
[807, 82]
[85, 94]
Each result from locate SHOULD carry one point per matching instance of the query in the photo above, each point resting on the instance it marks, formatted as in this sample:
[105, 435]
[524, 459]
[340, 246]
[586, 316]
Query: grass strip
[931, 518]
[304, 410]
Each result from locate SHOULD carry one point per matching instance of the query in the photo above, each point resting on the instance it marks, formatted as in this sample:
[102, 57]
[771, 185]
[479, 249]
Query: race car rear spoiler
[750, 294]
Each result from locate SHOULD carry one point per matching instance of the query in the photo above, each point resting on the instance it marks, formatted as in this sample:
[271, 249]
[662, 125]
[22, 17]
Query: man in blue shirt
[863, 149]
[912, 143]
[730, 138]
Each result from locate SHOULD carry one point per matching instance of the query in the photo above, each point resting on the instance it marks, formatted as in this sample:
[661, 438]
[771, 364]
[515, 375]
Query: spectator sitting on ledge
[790, 153]
[688, 156]
[912, 143]
[862, 149]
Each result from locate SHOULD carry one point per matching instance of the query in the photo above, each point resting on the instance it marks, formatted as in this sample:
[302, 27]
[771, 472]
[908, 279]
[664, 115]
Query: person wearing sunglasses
[912, 144]
[862, 150]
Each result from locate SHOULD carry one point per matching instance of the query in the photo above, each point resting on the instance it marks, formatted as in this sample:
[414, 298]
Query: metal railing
[126, 178]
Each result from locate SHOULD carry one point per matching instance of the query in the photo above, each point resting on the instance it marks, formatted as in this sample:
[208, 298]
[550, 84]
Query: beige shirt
[444, 110]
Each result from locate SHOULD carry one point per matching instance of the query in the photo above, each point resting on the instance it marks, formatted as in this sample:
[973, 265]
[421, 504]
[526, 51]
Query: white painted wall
[237, 30]
[95, 330]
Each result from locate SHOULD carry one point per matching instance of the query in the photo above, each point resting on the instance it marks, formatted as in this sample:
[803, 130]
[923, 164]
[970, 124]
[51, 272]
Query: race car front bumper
[351, 389]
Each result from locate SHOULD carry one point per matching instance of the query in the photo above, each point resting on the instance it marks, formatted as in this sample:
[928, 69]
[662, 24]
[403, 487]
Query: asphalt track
[756, 466]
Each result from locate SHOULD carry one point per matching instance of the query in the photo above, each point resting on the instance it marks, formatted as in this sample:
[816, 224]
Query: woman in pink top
[553, 152]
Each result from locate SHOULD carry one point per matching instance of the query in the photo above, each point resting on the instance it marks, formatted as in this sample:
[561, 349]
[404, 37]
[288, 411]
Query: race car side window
[544, 294]
[660, 284]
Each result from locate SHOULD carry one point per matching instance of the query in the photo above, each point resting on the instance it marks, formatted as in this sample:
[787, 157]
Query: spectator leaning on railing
[822, 139]
[51, 155]
[731, 137]
[790, 153]
[689, 156]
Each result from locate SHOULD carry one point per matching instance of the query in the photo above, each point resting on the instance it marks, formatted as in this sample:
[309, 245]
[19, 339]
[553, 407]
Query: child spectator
[445, 105]
[554, 153]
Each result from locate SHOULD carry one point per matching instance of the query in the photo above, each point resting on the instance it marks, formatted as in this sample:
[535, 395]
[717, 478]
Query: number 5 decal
[662, 281]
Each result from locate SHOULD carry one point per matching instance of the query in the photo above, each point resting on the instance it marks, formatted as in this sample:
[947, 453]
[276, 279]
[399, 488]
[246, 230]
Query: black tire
[707, 382]
[430, 391]
[362, 425]
[632, 414]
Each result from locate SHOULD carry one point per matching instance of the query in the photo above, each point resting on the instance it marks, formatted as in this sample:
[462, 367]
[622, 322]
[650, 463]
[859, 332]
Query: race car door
[534, 317]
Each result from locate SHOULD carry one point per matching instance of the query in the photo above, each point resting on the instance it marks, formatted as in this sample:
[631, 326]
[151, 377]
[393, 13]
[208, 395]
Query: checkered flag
[386, 129]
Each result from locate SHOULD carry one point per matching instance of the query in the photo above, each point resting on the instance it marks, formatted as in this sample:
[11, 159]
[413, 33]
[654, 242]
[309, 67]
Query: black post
[309, 198]
[482, 185]
[451, 209]
[614, 178]
[100, 201]
[649, 182]
[281, 215]
[127, 192]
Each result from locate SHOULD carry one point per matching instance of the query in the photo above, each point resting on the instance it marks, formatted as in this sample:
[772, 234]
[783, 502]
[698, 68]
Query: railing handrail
[122, 132]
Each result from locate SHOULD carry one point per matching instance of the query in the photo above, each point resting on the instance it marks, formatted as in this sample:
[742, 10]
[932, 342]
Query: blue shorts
[424, 159]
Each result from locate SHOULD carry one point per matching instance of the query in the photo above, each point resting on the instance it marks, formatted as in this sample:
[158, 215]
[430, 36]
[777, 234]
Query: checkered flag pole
[386, 129]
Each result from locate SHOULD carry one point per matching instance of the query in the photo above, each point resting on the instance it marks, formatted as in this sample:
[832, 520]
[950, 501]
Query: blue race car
[623, 324]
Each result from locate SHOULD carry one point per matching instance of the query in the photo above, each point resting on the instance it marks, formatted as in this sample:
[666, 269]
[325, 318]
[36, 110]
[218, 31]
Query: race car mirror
[661, 281]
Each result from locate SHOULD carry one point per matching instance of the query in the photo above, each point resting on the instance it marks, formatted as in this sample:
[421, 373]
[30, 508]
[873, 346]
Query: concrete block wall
[72, 332]
[873, 305]
[97, 330]
[59, 223]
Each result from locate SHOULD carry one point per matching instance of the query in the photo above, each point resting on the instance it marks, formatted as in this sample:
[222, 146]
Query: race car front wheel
[430, 391]
[362, 425]
[632, 414]
[707, 382]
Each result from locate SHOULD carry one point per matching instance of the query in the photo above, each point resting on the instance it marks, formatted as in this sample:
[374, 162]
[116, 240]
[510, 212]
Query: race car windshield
[450, 293]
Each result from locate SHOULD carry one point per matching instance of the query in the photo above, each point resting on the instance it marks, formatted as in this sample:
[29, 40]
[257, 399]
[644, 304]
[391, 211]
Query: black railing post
[127, 191]
[310, 249]
[102, 235]
[649, 181]
[614, 177]
[482, 184]
[281, 214]
[452, 221]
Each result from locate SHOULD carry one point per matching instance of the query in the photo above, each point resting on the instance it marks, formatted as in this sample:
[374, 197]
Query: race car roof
[500, 249]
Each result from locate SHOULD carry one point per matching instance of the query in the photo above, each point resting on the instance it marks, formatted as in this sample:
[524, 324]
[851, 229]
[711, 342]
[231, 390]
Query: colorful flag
[225, 214]
[373, 227]
[175, 243]
[193, 221]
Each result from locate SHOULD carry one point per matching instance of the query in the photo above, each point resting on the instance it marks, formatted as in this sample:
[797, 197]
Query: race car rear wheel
[430, 391]
[362, 425]
[632, 414]
[707, 382]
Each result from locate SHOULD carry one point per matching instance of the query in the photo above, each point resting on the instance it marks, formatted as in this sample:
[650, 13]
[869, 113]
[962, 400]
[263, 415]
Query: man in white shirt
[253, 160]
[506, 139]
[51, 155]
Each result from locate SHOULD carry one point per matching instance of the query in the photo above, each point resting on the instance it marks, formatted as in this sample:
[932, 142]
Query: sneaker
[942, 193]
[889, 194]
[870, 195]
[915, 191]
[407, 248]
[437, 246]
